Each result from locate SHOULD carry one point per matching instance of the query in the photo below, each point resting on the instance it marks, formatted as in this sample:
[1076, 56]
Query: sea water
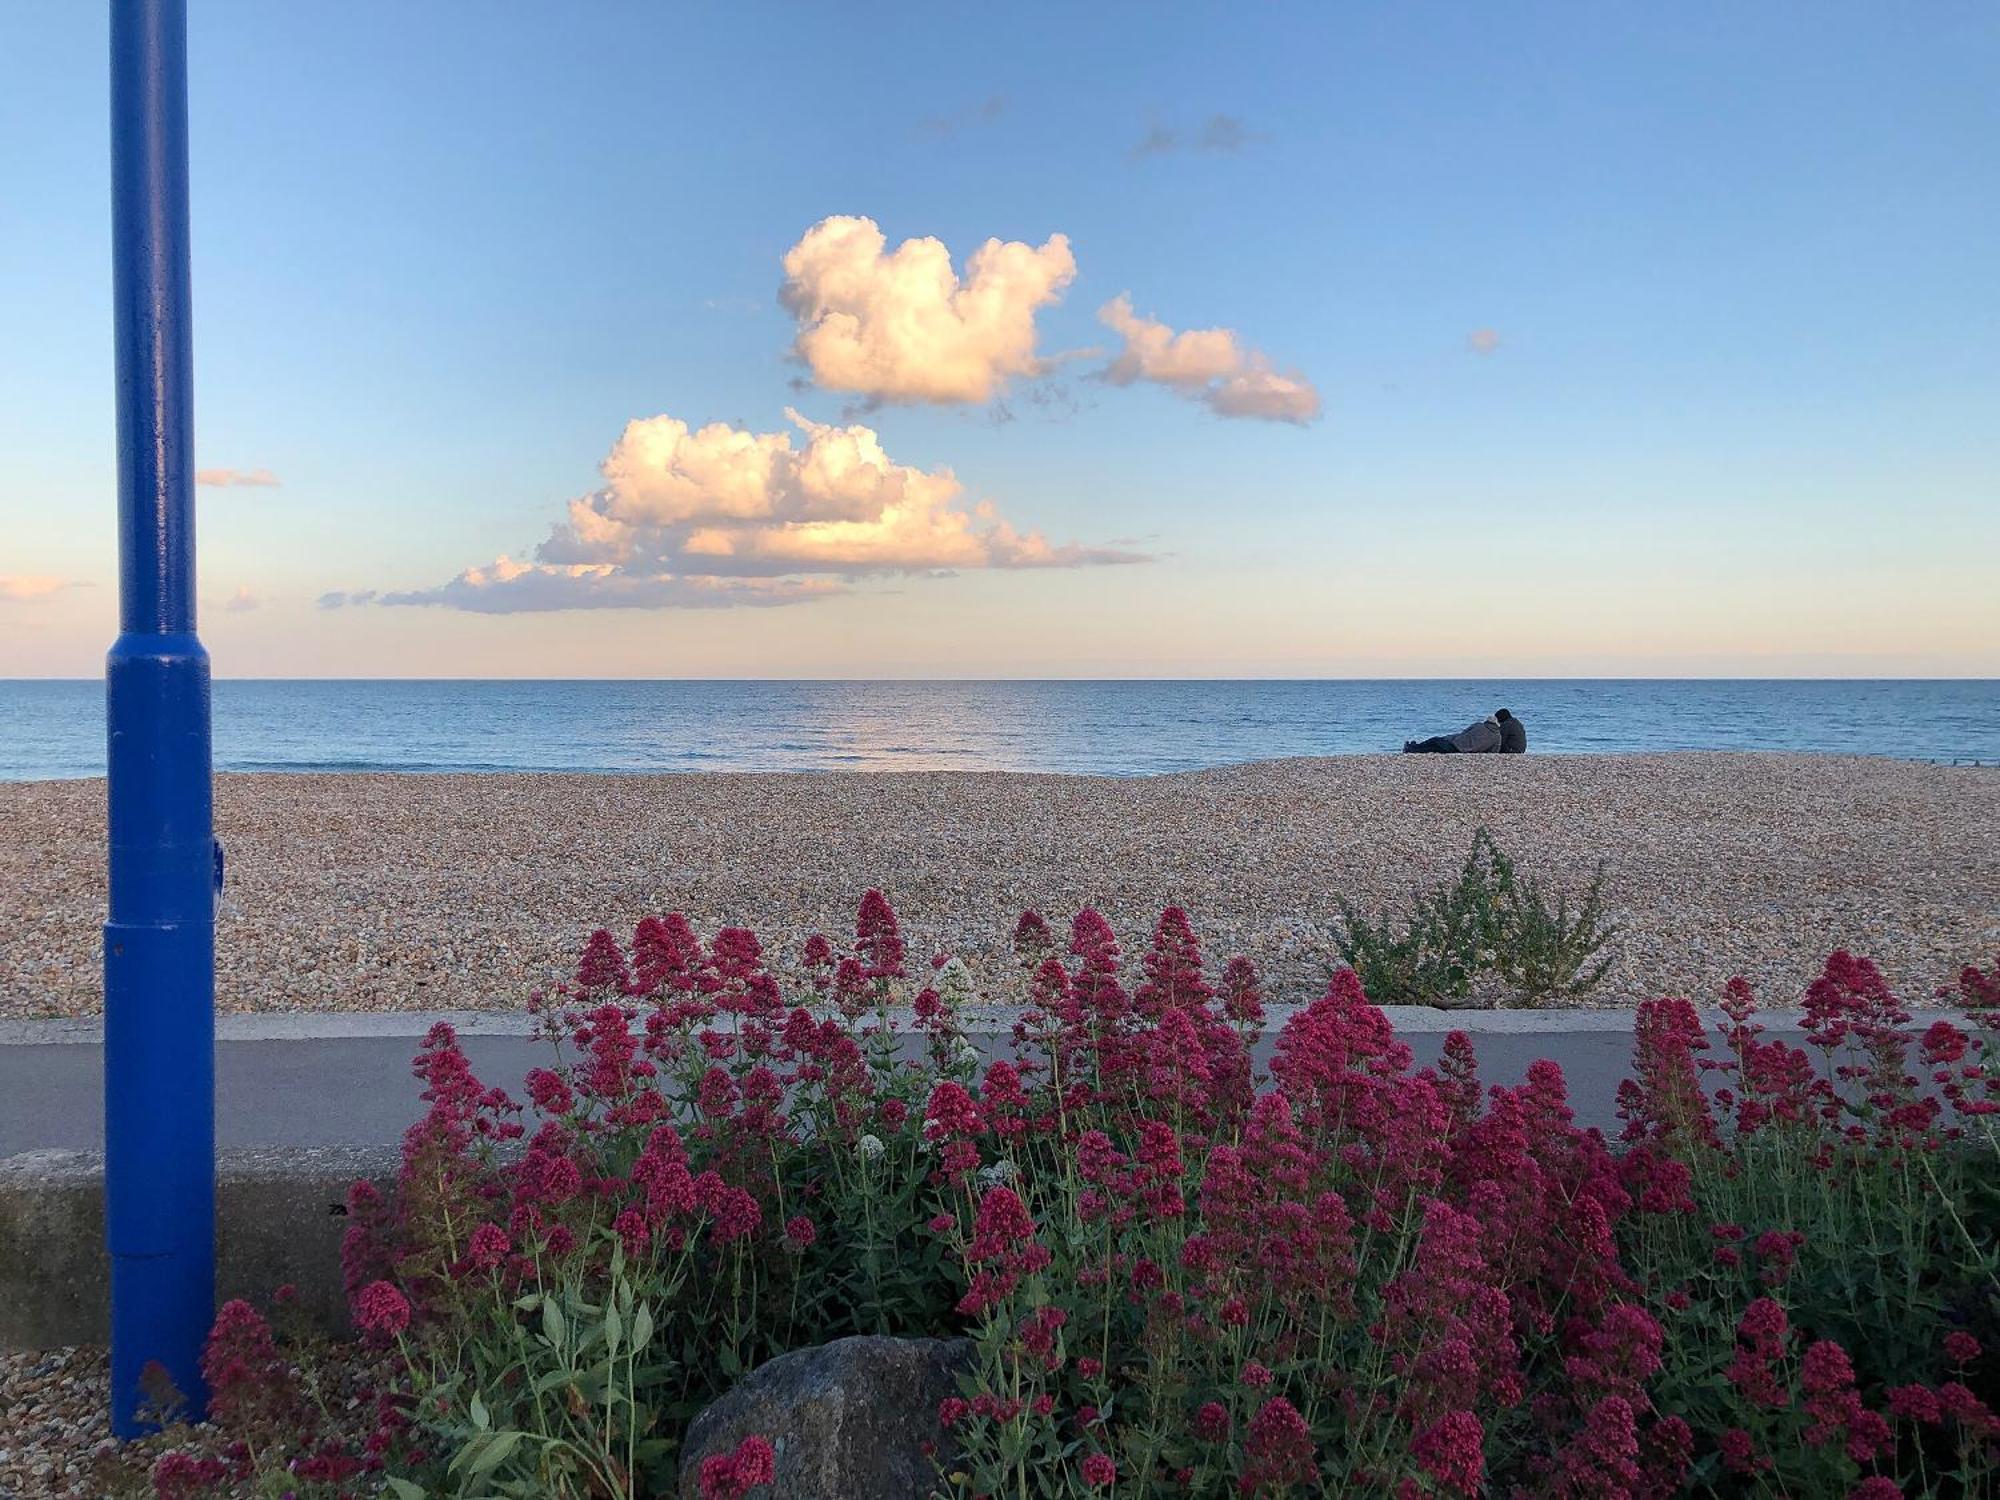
[1124, 728]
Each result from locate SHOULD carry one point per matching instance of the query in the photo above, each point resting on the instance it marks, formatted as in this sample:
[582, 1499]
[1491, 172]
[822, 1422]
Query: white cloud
[244, 598]
[23, 586]
[509, 587]
[262, 479]
[902, 326]
[1209, 365]
[714, 516]
[1483, 340]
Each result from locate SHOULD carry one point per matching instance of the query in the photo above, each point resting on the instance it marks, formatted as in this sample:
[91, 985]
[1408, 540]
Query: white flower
[954, 984]
[997, 1174]
[870, 1147]
[964, 1053]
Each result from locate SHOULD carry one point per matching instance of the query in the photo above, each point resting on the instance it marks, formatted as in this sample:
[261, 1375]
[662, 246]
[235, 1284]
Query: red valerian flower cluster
[1351, 1274]
[732, 1475]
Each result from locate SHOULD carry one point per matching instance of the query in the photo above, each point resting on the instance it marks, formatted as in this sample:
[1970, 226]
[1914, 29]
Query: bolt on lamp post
[159, 944]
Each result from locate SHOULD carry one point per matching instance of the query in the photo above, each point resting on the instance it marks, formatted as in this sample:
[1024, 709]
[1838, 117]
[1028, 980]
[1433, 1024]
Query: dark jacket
[1513, 737]
[1478, 739]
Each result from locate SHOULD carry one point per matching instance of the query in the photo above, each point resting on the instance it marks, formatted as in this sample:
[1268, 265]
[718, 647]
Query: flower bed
[1349, 1276]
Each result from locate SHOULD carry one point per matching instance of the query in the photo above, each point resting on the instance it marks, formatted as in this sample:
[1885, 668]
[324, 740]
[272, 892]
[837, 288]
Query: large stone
[846, 1420]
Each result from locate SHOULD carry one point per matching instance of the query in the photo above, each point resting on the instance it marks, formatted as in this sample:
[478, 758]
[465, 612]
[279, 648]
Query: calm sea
[50, 729]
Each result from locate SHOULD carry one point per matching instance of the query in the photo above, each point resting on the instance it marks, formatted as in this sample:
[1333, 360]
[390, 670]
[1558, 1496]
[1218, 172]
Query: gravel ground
[55, 1428]
[385, 892]
[55, 1431]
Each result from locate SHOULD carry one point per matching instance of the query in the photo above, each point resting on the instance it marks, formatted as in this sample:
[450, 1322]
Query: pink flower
[381, 1309]
[488, 1247]
[729, 1476]
[549, 1093]
[1967, 1409]
[602, 969]
[1763, 1322]
[799, 1231]
[633, 1232]
[1242, 994]
[249, 1381]
[1452, 1451]
[1960, 1347]
[876, 938]
[1003, 1250]
[1032, 937]
[1777, 1250]
[950, 1113]
[1916, 1403]
[1739, 1454]
[182, 1476]
[1943, 1043]
[1280, 1449]
[1099, 1472]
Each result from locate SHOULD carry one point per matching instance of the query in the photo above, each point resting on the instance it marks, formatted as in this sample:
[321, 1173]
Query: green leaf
[614, 1331]
[642, 1327]
[494, 1453]
[554, 1328]
[402, 1489]
[480, 1418]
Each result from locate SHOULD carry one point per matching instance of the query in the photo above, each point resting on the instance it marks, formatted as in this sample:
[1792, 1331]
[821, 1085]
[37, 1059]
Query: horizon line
[922, 680]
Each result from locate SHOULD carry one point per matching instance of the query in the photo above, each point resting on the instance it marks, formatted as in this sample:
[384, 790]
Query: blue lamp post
[159, 944]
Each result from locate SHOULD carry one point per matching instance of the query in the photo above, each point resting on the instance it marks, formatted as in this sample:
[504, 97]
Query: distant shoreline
[390, 891]
[626, 773]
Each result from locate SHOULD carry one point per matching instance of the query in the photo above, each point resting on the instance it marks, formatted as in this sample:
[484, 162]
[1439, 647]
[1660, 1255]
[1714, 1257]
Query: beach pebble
[387, 892]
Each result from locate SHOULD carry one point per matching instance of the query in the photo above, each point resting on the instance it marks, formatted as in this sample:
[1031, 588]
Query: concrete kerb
[308, 1026]
[308, 1103]
[279, 1218]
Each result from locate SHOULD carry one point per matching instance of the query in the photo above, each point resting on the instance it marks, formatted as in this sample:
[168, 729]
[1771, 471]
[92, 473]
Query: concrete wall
[279, 1218]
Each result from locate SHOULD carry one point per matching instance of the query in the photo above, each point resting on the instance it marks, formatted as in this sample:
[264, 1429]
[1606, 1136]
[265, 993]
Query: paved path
[334, 1080]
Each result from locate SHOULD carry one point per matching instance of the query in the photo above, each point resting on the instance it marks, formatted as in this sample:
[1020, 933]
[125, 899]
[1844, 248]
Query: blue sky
[1642, 340]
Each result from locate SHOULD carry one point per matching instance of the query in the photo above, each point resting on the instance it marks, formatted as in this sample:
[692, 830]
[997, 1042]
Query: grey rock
[846, 1420]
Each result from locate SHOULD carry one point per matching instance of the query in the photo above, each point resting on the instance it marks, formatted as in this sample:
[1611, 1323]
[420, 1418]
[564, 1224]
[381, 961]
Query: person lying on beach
[1482, 738]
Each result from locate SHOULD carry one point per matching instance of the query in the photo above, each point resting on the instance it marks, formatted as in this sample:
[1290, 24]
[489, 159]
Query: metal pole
[159, 945]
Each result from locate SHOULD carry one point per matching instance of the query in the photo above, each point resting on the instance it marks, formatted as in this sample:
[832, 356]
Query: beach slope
[379, 892]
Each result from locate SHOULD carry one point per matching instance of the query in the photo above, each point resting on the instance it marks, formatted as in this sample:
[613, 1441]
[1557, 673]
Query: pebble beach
[373, 892]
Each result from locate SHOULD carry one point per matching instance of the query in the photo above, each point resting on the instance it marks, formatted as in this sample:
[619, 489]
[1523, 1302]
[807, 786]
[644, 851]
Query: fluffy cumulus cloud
[1209, 365]
[24, 586]
[244, 598]
[225, 479]
[903, 326]
[716, 516]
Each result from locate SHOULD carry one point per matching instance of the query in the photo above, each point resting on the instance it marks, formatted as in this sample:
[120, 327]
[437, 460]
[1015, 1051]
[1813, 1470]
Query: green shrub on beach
[1490, 921]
